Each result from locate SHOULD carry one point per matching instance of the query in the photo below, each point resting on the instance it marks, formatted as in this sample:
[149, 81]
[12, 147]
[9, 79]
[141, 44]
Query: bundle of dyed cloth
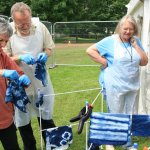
[40, 73]
[16, 94]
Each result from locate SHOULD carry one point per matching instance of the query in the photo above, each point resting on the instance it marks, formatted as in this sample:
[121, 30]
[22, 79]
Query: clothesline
[77, 65]
[73, 92]
[74, 123]
[96, 98]
[74, 65]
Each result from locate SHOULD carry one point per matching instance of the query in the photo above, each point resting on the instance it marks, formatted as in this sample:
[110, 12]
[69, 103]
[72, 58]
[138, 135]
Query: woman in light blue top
[121, 56]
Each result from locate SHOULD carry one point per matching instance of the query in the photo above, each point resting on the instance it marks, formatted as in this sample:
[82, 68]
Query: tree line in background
[71, 10]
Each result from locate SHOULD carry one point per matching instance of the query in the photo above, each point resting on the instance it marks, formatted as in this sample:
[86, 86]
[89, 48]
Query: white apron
[33, 45]
[122, 79]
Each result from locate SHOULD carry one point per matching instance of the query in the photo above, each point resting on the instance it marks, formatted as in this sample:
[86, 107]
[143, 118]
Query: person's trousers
[8, 138]
[26, 133]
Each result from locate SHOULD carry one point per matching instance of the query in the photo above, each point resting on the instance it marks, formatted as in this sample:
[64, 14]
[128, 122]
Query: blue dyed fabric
[109, 129]
[140, 125]
[16, 94]
[59, 138]
[40, 73]
[40, 100]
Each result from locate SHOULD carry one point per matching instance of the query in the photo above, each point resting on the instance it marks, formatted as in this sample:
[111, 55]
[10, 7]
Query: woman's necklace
[129, 52]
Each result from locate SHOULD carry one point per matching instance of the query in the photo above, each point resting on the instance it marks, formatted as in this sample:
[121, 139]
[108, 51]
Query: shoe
[128, 148]
[110, 147]
[94, 147]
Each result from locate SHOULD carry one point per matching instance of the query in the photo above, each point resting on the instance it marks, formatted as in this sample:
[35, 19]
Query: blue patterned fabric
[40, 100]
[59, 138]
[109, 129]
[16, 94]
[40, 73]
[140, 125]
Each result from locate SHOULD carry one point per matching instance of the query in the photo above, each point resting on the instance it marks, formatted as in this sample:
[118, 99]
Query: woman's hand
[104, 64]
[144, 58]
[133, 42]
[10, 74]
[92, 51]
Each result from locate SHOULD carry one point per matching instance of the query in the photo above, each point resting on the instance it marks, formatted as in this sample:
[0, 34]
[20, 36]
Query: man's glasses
[23, 24]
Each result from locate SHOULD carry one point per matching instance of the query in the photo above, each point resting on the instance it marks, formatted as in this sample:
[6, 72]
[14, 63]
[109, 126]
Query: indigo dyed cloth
[40, 73]
[59, 138]
[109, 129]
[140, 125]
[40, 100]
[16, 94]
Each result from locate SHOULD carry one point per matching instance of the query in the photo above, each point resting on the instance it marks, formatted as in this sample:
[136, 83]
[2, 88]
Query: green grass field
[74, 78]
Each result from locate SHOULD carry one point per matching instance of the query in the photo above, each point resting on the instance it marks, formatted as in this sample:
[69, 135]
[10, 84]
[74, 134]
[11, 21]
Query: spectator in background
[121, 56]
[8, 70]
[31, 42]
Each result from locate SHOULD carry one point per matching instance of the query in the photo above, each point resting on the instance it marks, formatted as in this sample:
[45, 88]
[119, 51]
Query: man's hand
[42, 57]
[27, 58]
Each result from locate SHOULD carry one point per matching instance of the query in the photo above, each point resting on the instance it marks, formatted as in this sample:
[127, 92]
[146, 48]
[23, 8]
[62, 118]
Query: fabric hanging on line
[16, 94]
[59, 138]
[40, 73]
[109, 129]
[40, 100]
[140, 125]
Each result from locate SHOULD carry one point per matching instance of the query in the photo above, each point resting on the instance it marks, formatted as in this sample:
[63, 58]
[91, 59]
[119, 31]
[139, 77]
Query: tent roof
[133, 5]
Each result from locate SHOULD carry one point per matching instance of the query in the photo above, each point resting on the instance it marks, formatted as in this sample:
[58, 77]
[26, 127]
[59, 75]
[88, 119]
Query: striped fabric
[109, 129]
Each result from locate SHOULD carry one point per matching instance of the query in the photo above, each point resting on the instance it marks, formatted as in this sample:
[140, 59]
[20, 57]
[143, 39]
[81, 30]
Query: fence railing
[76, 32]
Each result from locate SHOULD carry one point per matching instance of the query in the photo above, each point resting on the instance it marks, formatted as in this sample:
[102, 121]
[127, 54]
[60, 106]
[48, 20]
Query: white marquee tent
[140, 9]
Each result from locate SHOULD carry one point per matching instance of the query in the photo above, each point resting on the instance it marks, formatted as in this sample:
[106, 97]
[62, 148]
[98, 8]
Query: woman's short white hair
[130, 19]
[5, 27]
